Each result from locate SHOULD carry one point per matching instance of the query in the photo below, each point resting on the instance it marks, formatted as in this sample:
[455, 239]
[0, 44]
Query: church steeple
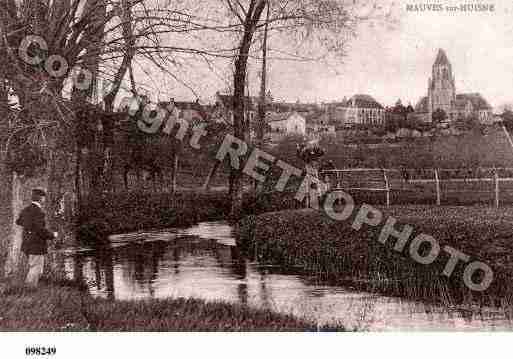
[442, 88]
[441, 58]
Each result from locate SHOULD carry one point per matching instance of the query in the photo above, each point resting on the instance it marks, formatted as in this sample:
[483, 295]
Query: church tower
[442, 89]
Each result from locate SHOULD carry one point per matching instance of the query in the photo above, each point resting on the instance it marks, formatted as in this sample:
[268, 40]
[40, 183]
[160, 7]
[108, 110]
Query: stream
[204, 262]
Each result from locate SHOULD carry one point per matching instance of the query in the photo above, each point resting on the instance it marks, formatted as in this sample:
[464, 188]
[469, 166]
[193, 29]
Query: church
[442, 95]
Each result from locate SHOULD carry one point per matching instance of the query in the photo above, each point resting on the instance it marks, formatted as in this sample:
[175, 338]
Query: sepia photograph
[255, 166]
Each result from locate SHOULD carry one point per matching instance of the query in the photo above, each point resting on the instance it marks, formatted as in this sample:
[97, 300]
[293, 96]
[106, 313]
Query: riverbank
[334, 251]
[136, 211]
[62, 308]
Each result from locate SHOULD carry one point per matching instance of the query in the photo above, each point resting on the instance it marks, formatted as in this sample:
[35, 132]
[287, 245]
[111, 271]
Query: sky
[394, 62]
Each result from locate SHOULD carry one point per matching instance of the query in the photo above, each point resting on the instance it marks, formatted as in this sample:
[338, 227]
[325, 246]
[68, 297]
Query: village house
[286, 123]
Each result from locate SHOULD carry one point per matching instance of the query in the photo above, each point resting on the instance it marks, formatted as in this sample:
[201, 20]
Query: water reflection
[203, 262]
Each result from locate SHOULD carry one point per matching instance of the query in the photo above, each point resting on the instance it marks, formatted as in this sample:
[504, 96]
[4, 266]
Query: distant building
[399, 115]
[335, 112]
[287, 123]
[473, 104]
[223, 108]
[193, 112]
[442, 96]
[363, 110]
[298, 107]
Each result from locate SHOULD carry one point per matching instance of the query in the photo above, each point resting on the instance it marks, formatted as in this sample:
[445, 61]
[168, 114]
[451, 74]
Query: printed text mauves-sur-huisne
[463, 7]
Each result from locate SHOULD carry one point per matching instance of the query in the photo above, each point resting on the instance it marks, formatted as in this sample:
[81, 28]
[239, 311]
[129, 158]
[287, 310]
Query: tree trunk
[174, 177]
[263, 85]
[6, 222]
[241, 125]
[15, 237]
[78, 185]
[5, 180]
[56, 178]
[236, 175]
[21, 191]
[61, 167]
[126, 63]
[211, 174]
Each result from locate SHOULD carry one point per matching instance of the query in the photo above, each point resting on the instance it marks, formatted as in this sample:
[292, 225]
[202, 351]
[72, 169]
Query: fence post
[496, 177]
[387, 186]
[438, 195]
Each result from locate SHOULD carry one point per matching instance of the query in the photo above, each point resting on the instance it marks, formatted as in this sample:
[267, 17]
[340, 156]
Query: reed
[334, 252]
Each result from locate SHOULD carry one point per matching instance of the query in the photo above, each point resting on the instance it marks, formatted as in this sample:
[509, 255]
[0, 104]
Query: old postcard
[254, 166]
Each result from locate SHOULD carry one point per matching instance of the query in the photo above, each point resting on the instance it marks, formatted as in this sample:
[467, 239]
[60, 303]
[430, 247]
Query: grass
[55, 307]
[335, 252]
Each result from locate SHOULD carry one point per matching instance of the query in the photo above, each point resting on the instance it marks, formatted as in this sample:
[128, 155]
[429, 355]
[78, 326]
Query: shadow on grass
[59, 307]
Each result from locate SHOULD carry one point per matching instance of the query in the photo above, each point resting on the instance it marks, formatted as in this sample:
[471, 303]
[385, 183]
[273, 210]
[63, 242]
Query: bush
[134, 211]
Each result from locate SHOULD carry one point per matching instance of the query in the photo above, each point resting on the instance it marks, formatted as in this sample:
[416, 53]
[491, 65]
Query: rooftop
[364, 101]
[478, 101]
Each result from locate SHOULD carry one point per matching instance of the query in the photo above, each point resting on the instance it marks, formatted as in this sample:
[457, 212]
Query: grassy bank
[334, 251]
[135, 211]
[60, 308]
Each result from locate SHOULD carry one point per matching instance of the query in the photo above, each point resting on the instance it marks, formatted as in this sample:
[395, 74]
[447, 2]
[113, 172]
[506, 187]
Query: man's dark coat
[35, 234]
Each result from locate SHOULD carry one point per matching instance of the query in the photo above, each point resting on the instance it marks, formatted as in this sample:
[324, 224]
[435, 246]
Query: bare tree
[101, 36]
[324, 25]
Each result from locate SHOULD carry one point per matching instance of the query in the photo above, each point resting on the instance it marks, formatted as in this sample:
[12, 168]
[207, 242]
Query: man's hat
[38, 192]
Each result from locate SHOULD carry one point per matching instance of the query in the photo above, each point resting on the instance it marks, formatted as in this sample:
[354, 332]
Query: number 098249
[40, 351]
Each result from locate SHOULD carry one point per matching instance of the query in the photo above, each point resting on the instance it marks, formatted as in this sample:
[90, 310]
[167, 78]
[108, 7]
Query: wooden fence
[484, 180]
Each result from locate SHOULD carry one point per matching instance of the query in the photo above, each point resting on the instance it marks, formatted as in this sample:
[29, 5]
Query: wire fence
[439, 186]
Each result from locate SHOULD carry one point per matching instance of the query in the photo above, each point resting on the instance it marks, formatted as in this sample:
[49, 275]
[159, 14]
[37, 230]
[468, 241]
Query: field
[470, 150]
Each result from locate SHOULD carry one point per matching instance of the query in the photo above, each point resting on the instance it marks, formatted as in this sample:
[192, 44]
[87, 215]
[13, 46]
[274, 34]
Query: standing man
[35, 236]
